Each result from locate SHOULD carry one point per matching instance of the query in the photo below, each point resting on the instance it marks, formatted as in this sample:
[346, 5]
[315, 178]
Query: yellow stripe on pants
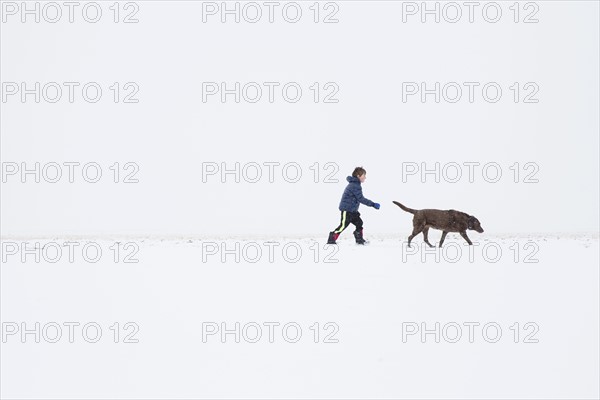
[343, 223]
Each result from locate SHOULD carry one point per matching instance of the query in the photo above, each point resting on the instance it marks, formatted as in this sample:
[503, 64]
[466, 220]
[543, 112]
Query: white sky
[368, 54]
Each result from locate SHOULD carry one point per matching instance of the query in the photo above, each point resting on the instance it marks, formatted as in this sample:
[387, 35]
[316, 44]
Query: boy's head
[360, 173]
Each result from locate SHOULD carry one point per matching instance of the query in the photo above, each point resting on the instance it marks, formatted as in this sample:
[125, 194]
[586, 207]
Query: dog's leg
[418, 226]
[425, 233]
[464, 234]
[415, 232]
[444, 233]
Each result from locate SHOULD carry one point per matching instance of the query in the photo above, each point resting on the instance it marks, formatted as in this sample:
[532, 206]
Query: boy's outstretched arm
[363, 200]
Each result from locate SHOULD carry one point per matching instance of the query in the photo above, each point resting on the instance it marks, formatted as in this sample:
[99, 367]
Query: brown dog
[444, 220]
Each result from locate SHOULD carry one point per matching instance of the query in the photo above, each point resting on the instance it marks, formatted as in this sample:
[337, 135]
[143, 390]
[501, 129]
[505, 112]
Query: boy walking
[351, 199]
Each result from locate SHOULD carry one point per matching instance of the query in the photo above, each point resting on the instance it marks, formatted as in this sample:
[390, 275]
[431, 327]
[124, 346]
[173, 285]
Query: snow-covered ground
[517, 315]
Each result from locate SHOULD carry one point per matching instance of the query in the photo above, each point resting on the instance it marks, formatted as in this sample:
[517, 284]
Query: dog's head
[474, 225]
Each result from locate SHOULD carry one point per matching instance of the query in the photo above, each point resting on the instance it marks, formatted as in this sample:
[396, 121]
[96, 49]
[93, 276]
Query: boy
[351, 199]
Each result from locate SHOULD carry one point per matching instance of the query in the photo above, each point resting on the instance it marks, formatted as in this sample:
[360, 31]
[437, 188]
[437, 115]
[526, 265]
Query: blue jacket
[353, 196]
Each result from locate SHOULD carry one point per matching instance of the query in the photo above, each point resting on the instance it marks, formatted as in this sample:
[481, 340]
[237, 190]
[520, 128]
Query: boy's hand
[376, 205]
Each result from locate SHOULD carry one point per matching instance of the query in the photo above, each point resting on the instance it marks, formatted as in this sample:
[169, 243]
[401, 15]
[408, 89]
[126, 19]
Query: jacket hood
[351, 179]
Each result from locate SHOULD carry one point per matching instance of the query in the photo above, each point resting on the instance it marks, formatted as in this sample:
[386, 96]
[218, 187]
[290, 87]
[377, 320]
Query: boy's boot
[332, 238]
[358, 235]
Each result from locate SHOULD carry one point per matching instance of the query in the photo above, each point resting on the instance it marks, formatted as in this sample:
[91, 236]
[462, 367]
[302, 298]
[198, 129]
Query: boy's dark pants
[347, 218]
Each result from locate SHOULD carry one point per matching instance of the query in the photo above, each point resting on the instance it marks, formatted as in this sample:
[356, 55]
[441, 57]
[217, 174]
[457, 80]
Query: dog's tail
[410, 210]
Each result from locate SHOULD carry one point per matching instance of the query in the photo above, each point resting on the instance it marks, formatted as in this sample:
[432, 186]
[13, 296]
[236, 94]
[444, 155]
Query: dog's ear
[470, 222]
